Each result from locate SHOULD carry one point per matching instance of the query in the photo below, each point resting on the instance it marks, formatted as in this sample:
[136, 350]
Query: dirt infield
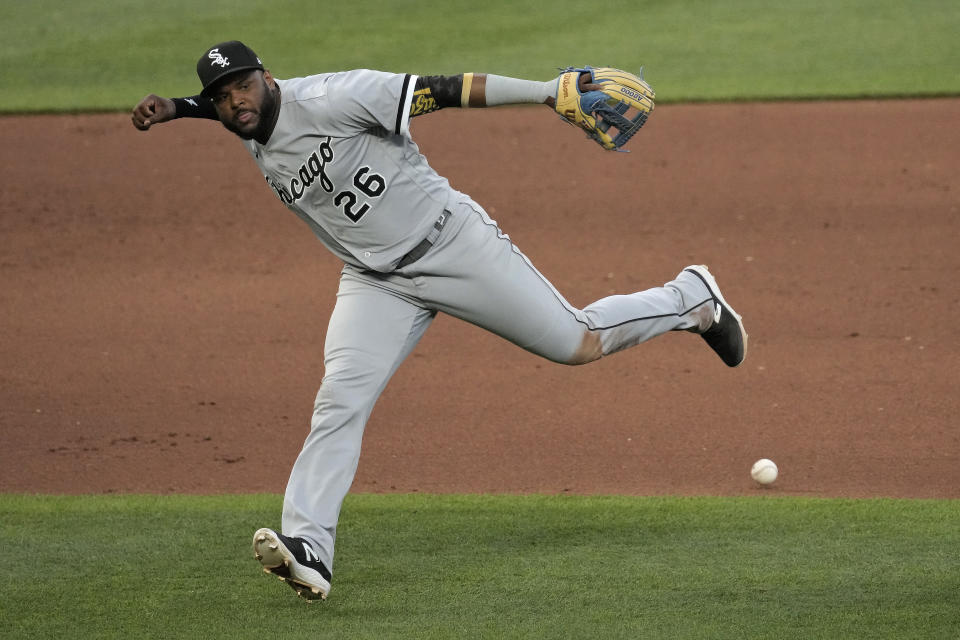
[163, 314]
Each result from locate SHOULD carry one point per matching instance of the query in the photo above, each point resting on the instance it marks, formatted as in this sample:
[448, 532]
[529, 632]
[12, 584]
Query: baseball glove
[609, 104]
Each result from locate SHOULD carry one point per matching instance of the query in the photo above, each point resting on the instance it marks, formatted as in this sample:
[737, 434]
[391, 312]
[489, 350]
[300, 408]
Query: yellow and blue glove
[609, 104]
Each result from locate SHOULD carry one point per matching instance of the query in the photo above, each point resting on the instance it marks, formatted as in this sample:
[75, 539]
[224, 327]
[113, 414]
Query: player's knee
[590, 349]
[339, 403]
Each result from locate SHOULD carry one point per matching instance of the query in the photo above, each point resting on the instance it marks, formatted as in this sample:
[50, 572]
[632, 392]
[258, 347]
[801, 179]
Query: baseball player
[336, 149]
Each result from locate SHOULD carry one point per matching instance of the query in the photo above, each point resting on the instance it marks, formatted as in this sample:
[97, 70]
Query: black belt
[421, 249]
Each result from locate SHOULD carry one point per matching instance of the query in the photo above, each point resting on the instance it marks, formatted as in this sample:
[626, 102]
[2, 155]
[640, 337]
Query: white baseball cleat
[294, 561]
[726, 336]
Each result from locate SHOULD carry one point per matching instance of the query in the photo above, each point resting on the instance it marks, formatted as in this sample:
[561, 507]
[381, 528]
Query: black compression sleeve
[195, 107]
[436, 92]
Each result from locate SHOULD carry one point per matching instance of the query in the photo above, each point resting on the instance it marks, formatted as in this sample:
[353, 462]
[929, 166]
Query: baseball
[764, 471]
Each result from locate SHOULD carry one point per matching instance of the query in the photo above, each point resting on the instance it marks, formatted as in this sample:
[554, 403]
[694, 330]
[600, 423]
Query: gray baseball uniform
[342, 159]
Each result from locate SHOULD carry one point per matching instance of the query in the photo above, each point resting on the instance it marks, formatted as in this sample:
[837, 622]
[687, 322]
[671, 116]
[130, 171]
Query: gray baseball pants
[472, 272]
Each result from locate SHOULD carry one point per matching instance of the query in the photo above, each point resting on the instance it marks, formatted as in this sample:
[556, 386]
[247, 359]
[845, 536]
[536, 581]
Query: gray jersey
[341, 158]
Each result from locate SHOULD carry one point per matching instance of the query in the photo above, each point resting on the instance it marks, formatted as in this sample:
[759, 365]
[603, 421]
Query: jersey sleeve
[369, 99]
[433, 93]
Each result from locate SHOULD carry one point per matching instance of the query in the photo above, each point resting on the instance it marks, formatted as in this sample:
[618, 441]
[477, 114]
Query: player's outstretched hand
[152, 110]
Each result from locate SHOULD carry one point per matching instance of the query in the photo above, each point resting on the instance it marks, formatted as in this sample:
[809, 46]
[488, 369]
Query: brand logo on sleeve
[423, 102]
[218, 58]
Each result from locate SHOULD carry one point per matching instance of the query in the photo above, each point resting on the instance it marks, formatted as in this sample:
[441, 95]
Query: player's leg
[370, 333]
[487, 281]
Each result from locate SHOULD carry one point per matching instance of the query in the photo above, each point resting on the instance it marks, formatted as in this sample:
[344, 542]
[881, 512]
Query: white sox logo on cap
[218, 58]
[222, 60]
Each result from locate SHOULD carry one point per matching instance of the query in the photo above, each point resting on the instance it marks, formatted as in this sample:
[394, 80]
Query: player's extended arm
[153, 110]
[483, 90]
[610, 105]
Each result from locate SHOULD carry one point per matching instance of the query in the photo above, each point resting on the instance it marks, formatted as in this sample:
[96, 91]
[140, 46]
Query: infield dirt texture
[164, 315]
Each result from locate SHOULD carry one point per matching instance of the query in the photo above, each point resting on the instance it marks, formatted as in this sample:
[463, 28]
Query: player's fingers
[143, 112]
[140, 122]
[586, 83]
[146, 106]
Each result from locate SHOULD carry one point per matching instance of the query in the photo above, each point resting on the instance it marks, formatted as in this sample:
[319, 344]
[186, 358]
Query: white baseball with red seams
[764, 471]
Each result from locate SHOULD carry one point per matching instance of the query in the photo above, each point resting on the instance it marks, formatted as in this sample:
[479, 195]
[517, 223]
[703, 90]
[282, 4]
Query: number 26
[372, 186]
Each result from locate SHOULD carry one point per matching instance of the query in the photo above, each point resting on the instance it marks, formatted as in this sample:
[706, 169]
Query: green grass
[486, 567]
[421, 566]
[106, 54]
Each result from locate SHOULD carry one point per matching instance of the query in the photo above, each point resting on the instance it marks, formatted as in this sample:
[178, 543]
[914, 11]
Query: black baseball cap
[223, 59]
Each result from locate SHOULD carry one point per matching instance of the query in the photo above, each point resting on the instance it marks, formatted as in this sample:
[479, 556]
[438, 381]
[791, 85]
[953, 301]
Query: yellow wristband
[465, 92]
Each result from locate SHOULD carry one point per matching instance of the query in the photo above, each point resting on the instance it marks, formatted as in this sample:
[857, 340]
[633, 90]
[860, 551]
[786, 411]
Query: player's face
[246, 102]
